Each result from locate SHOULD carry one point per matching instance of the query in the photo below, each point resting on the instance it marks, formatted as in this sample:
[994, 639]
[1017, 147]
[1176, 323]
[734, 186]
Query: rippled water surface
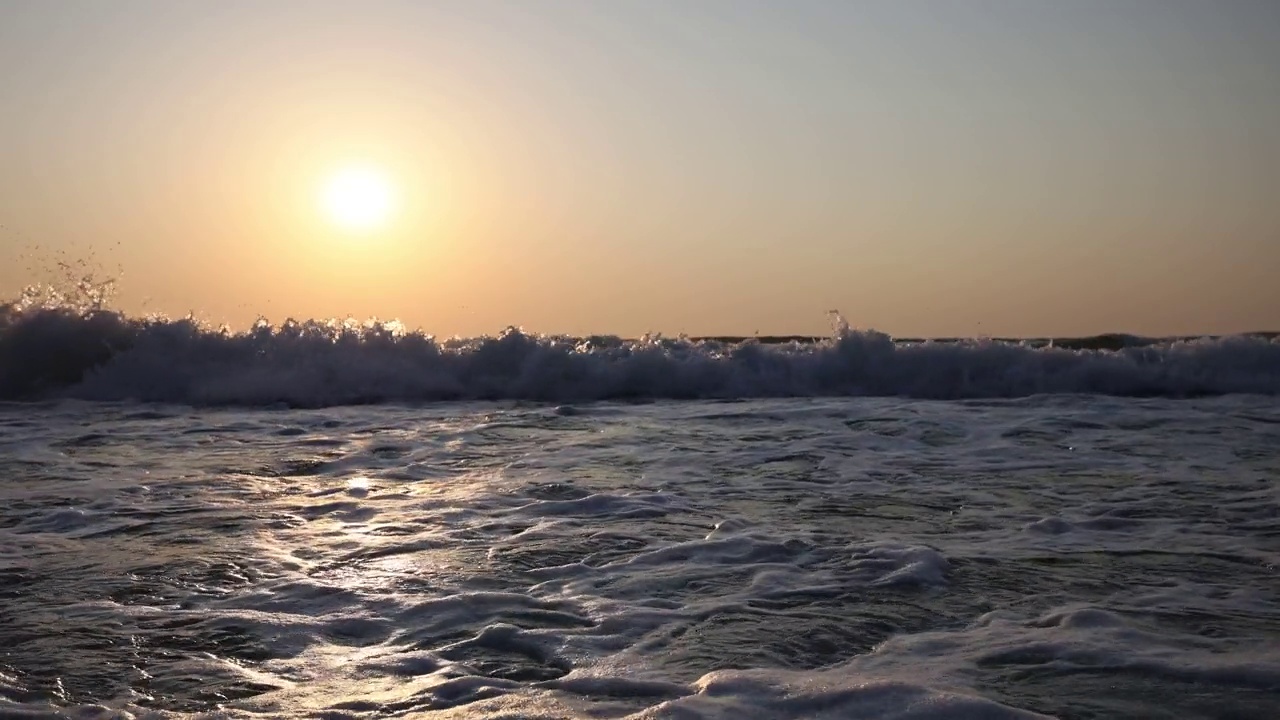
[1076, 557]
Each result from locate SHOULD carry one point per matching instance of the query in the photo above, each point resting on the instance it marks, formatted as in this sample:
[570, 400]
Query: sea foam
[99, 355]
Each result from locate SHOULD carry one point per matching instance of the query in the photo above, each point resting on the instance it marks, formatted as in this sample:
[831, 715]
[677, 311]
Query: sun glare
[358, 199]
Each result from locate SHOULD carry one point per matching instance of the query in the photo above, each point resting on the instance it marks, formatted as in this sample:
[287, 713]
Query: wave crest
[54, 352]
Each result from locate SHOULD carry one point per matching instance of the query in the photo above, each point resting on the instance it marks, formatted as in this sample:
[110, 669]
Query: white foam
[103, 356]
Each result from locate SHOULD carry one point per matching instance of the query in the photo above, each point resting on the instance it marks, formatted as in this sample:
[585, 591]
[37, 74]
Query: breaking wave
[51, 350]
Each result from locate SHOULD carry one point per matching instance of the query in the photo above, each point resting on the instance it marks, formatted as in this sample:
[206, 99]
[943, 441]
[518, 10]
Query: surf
[92, 353]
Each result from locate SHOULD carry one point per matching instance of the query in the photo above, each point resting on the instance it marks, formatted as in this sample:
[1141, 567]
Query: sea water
[1070, 556]
[197, 523]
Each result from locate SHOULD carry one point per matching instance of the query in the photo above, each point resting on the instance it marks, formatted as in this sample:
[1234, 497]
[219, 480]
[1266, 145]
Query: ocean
[345, 520]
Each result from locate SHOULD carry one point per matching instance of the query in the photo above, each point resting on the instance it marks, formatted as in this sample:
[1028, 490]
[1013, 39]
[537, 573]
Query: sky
[927, 168]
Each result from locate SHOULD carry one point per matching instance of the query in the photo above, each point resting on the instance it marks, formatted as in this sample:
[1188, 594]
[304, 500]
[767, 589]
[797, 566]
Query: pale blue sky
[933, 168]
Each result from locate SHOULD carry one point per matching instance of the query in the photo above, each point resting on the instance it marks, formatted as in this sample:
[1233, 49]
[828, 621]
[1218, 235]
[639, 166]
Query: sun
[358, 198]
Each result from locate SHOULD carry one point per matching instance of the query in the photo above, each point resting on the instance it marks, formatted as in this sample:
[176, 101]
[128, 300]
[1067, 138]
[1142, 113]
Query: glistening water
[1073, 556]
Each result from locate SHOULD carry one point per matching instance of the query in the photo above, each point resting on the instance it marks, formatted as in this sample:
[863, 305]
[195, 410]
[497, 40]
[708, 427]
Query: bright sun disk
[358, 199]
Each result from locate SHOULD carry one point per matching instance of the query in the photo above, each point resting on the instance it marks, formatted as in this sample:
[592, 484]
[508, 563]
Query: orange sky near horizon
[928, 169]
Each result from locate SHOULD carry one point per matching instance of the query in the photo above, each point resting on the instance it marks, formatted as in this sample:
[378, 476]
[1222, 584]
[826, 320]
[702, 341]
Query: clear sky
[1015, 167]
